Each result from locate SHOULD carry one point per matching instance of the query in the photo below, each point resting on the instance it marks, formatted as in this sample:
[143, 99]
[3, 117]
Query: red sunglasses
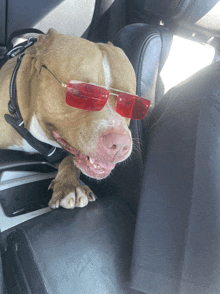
[93, 98]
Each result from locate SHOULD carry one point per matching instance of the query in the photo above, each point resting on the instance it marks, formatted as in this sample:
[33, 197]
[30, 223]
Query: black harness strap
[12, 105]
[51, 153]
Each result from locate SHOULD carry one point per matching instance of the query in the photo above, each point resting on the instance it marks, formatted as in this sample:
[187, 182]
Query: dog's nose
[117, 145]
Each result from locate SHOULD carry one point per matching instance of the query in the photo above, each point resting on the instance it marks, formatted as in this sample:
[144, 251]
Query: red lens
[86, 96]
[132, 106]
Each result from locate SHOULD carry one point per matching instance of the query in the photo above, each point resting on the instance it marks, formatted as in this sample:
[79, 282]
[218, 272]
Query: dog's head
[98, 139]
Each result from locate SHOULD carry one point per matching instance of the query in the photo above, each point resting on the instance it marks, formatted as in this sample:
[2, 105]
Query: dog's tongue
[90, 166]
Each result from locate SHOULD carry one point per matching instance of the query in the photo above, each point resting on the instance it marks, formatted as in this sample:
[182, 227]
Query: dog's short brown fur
[40, 96]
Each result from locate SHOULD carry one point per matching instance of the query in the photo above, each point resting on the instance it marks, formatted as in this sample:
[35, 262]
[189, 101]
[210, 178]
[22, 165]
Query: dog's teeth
[91, 160]
[57, 204]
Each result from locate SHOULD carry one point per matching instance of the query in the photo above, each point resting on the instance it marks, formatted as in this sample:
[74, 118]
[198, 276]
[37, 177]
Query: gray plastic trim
[10, 222]
[25, 180]
[25, 163]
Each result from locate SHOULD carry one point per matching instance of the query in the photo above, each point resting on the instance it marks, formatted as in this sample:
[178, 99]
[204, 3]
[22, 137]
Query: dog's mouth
[88, 165]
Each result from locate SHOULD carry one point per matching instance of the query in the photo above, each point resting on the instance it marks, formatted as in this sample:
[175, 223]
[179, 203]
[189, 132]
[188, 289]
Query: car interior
[154, 227]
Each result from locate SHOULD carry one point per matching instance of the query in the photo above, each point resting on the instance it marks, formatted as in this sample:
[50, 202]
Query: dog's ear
[43, 42]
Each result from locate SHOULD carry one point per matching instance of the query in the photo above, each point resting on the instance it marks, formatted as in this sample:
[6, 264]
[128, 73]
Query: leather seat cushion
[82, 250]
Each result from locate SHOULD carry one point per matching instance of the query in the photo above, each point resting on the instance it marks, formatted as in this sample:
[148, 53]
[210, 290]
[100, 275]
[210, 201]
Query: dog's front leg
[67, 190]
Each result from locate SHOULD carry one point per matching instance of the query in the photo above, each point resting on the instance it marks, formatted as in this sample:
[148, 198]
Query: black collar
[51, 153]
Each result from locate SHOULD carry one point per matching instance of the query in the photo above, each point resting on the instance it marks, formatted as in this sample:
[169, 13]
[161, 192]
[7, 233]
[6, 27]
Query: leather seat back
[147, 47]
[2, 21]
[66, 17]
[176, 246]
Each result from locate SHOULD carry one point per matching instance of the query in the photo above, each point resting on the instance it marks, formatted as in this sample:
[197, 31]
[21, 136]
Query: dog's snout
[116, 146]
[117, 143]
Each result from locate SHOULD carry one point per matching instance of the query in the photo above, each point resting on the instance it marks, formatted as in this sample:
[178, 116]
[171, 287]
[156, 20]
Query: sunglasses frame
[119, 105]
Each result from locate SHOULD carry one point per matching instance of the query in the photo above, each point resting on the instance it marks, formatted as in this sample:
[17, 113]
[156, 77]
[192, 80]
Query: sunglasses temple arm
[62, 84]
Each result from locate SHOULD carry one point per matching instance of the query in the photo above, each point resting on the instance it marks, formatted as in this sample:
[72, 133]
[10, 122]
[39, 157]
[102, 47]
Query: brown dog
[97, 139]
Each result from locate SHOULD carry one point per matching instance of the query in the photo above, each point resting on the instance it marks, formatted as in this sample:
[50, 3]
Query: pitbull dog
[97, 139]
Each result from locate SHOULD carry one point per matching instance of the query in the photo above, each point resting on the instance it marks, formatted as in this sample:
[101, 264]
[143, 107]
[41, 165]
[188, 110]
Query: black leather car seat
[153, 48]
[176, 245]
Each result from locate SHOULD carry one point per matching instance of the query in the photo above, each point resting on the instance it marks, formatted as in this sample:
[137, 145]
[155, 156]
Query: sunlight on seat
[186, 57]
[211, 19]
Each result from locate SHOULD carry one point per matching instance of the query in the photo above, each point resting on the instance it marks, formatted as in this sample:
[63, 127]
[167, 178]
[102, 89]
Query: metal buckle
[18, 49]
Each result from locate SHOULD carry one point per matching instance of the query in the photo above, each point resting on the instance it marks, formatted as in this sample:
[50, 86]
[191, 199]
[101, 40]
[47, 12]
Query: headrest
[167, 8]
[204, 14]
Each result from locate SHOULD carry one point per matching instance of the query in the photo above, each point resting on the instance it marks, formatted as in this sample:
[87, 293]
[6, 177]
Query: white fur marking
[111, 110]
[37, 132]
[107, 71]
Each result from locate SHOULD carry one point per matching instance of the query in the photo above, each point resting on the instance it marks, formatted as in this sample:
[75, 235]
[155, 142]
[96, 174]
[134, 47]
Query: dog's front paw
[77, 197]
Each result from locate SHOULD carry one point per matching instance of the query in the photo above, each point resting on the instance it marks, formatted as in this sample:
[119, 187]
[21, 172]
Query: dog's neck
[43, 146]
